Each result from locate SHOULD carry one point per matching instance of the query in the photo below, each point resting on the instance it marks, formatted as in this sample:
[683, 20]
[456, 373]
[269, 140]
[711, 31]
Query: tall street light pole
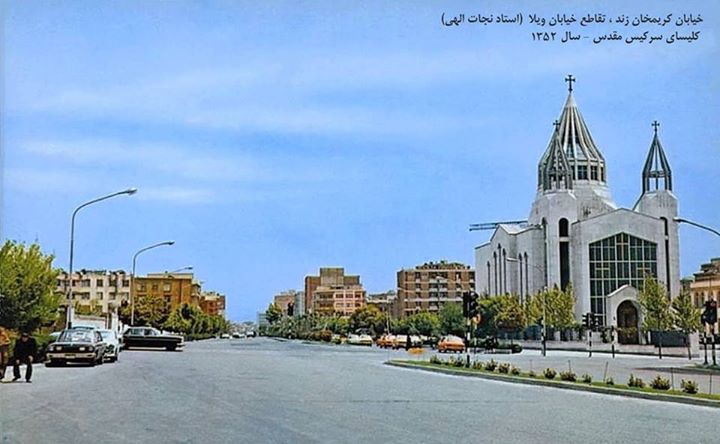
[132, 277]
[129, 191]
[716, 232]
[544, 293]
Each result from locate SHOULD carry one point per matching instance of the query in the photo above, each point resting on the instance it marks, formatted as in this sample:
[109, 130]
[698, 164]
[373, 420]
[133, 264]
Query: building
[285, 298]
[212, 303]
[103, 290]
[429, 286]
[706, 283]
[575, 232]
[386, 302]
[175, 289]
[333, 292]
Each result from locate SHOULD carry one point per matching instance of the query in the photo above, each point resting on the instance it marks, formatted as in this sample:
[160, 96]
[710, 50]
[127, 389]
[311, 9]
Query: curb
[561, 385]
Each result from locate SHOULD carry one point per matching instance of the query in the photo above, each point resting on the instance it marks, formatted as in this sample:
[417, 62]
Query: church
[576, 234]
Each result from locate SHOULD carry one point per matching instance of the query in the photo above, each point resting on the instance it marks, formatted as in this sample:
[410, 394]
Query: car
[112, 344]
[236, 335]
[386, 341]
[149, 337]
[357, 339]
[224, 336]
[77, 345]
[451, 344]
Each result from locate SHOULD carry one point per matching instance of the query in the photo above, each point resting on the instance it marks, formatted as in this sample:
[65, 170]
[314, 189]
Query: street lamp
[689, 222]
[132, 277]
[544, 293]
[188, 268]
[129, 191]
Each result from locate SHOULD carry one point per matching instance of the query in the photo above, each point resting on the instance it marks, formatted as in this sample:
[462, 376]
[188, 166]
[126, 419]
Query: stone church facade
[576, 234]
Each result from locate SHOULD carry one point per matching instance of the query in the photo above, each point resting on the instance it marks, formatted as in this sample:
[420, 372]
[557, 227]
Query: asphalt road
[261, 390]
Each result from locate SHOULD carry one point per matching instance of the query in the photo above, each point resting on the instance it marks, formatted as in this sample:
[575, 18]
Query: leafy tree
[510, 315]
[150, 310]
[273, 313]
[686, 316]
[368, 317]
[452, 320]
[424, 323]
[655, 305]
[28, 283]
[558, 306]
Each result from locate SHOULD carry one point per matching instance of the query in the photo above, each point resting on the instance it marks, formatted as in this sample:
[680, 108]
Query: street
[262, 390]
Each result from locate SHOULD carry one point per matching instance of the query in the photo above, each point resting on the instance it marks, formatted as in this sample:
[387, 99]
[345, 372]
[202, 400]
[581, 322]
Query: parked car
[224, 336]
[386, 341]
[236, 335]
[149, 337]
[356, 339]
[112, 344]
[77, 345]
[451, 344]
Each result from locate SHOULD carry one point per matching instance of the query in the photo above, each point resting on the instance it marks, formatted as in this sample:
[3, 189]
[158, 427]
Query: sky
[268, 139]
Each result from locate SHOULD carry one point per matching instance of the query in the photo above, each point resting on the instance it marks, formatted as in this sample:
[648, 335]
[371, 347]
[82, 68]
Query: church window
[582, 172]
[563, 227]
[593, 172]
[616, 261]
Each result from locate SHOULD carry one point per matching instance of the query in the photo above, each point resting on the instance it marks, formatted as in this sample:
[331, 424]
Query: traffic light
[709, 316]
[594, 321]
[586, 320]
[466, 304]
[473, 308]
[291, 309]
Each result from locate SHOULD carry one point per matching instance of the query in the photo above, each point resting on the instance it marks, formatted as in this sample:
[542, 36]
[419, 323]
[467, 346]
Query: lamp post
[129, 191]
[132, 277]
[188, 268]
[716, 232]
[544, 293]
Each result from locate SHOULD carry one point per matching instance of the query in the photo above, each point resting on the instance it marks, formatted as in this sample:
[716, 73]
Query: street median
[538, 380]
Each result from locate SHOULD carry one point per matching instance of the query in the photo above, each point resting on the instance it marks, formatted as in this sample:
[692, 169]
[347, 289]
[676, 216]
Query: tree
[28, 298]
[273, 313]
[424, 323]
[557, 305]
[686, 316]
[510, 315]
[150, 310]
[367, 318]
[452, 320]
[655, 305]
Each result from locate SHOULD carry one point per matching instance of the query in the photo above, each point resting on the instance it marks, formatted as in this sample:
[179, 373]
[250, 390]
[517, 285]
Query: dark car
[148, 337]
[77, 345]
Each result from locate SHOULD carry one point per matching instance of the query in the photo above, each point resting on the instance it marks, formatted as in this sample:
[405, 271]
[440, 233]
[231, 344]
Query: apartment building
[334, 293]
[103, 290]
[431, 285]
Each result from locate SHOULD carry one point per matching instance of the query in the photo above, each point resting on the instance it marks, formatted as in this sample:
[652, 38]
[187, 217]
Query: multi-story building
[333, 292]
[175, 289]
[212, 303]
[285, 298]
[103, 289]
[386, 302]
[706, 283]
[431, 285]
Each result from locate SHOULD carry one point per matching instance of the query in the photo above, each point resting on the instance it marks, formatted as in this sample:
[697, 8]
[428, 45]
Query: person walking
[4, 350]
[25, 351]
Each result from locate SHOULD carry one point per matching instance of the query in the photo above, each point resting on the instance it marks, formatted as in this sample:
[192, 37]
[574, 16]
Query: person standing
[25, 351]
[4, 350]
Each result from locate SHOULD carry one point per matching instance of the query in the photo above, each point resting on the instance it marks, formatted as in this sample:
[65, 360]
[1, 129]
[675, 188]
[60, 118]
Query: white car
[355, 339]
[113, 345]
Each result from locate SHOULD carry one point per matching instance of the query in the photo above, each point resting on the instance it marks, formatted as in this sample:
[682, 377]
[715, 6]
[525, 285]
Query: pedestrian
[4, 350]
[25, 351]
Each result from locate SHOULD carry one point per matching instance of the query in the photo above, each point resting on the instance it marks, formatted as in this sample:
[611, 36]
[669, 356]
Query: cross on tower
[655, 125]
[570, 79]
[556, 124]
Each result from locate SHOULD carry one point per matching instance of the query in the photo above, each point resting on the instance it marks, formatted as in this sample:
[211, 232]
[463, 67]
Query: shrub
[635, 382]
[435, 360]
[504, 368]
[609, 381]
[568, 376]
[491, 366]
[587, 379]
[477, 365]
[549, 373]
[660, 383]
[514, 370]
[457, 362]
[689, 386]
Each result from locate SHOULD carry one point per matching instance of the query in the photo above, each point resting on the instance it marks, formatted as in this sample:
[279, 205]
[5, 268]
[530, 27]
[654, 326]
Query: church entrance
[627, 322]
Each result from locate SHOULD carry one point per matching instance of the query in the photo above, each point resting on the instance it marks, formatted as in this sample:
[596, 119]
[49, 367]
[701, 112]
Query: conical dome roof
[656, 167]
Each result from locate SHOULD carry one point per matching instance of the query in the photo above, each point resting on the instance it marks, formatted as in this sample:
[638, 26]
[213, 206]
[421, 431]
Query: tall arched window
[520, 276]
[504, 256]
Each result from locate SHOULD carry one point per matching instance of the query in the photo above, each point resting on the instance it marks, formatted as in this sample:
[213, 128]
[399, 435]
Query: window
[155, 287]
[582, 172]
[99, 295]
[126, 282]
[85, 283]
[616, 261]
[593, 172]
[98, 282]
[166, 286]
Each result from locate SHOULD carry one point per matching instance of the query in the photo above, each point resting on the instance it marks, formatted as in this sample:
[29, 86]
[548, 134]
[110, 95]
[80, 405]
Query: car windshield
[107, 334]
[76, 336]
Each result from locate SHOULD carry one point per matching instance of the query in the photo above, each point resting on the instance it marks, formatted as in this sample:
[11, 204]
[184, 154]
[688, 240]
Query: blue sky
[271, 138]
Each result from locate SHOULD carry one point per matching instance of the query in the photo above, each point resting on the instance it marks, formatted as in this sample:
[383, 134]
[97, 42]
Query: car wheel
[170, 348]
